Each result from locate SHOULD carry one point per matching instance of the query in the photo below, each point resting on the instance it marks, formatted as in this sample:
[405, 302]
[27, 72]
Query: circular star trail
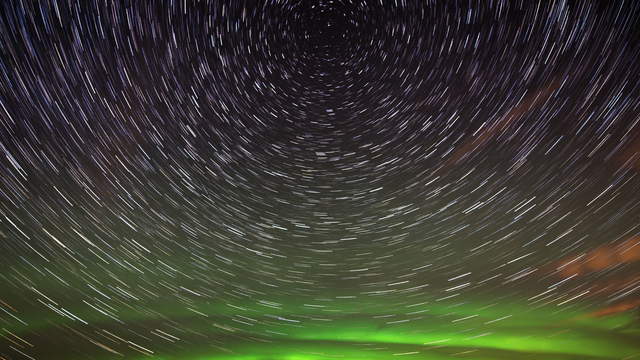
[334, 178]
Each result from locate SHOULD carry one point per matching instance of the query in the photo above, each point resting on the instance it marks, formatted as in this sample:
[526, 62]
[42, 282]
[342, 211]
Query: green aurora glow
[434, 330]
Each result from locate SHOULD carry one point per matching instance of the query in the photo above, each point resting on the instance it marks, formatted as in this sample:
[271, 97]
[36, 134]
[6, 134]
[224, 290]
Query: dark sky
[307, 148]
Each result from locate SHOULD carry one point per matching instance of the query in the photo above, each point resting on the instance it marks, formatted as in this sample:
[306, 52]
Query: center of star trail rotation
[319, 179]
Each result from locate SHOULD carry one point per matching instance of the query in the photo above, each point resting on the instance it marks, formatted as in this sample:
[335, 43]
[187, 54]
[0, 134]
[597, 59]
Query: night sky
[191, 178]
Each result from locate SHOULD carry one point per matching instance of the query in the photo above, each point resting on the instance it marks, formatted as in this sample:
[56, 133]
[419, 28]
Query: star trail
[289, 179]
